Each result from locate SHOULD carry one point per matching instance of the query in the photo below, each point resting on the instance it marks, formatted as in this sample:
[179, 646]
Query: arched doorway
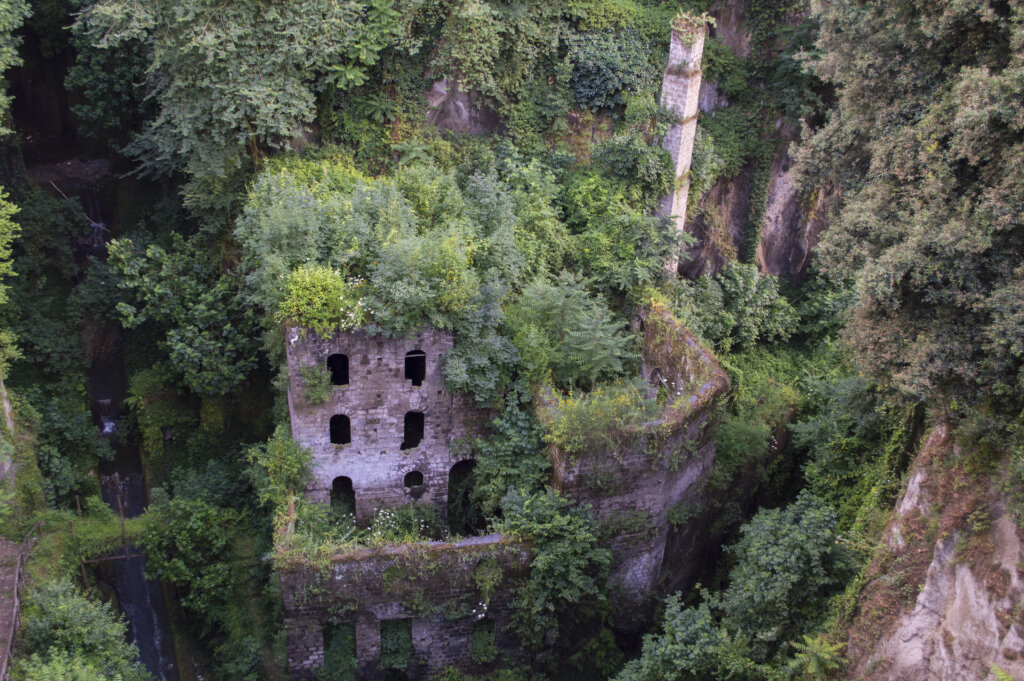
[416, 367]
[412, 430]
[464, 516]
[343, 495]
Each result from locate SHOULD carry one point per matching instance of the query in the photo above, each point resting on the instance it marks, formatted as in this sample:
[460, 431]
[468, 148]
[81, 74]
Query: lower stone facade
[451, 596]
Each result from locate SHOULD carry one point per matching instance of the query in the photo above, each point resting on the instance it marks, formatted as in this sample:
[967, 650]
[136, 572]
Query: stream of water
[123, 488]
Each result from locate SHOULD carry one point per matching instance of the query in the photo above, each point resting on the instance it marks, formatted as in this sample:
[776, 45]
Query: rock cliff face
[792, 220]
[943, 598]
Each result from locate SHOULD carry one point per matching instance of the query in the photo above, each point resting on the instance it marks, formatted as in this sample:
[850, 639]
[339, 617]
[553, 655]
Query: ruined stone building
[384, 437]
[388, 435]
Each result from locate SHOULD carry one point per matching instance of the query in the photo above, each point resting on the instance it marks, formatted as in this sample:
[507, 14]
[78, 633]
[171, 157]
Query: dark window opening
[341, 430]
[412, 431]
[340, 650]
[413, 479]
[395, 643]
[484, 649]
[416, 367]
[464, 515]
[343, 496]
[338, 366]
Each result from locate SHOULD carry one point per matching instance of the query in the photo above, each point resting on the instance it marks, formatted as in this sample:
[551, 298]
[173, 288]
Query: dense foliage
[68, 637]
[924, 145]
[276, 176]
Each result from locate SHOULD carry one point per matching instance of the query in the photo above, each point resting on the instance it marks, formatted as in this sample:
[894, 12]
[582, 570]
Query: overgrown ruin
[445, 603]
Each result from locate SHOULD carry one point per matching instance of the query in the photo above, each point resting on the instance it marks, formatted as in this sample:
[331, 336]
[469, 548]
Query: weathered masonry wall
[445, 591]
[376, 400]
[632, 490]
[680, 94]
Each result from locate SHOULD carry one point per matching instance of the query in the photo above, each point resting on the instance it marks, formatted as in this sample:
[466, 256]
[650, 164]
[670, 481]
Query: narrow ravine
[123, 488]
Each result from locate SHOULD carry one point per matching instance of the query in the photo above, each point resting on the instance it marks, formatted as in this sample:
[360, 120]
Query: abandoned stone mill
[388, 435]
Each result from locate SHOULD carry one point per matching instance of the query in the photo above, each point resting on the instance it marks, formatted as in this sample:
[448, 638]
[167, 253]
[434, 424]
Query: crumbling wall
[444, 589]
[632, 490]
[376, 400]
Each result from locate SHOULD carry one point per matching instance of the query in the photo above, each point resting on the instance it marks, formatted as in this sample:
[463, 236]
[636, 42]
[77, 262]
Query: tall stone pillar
[680, 90]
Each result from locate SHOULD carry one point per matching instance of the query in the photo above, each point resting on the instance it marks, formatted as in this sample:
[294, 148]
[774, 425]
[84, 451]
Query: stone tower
[680, 90]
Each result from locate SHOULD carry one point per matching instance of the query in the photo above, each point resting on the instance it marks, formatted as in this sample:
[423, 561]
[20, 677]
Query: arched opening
[412, 430]
[343, 496]
[338, 366]
[413, 479]
[464, 516]
[416, 366]
[341, 430]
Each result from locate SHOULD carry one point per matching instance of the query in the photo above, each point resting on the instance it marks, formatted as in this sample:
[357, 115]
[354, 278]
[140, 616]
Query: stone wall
[439, 587]
[632, 490]
[376, 400]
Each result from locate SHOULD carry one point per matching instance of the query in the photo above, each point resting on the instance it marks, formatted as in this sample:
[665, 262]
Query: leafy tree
[846, 431]
[789, 561]
[924, 147]
[208, 335]
[279, 468]
[495, 47]
[65, 636]
[512, 454]
[738, 306]
[646, 167]
[568, 566]
[541, 237]
[618, 247]
[108, 79]
[607, 65]
[188, 543]
[9, 231]
[12, 15]
[692, 647]
[564, 332]
[231, 79]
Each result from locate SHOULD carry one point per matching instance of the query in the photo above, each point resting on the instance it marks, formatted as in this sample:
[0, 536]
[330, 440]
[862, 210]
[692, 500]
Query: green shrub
[606, 419]
[646, 168]
[568, 566]
[64, 635]
[483, 649]
[608, 64]
[319, 299]
[512, 455]
[739, 307]
[317, 387]
[279, 468]
[408, 523]
[566, 335]
[395, 643]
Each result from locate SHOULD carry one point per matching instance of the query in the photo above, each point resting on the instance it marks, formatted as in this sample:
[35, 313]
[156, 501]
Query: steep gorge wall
[943, 597]
[791, 221]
